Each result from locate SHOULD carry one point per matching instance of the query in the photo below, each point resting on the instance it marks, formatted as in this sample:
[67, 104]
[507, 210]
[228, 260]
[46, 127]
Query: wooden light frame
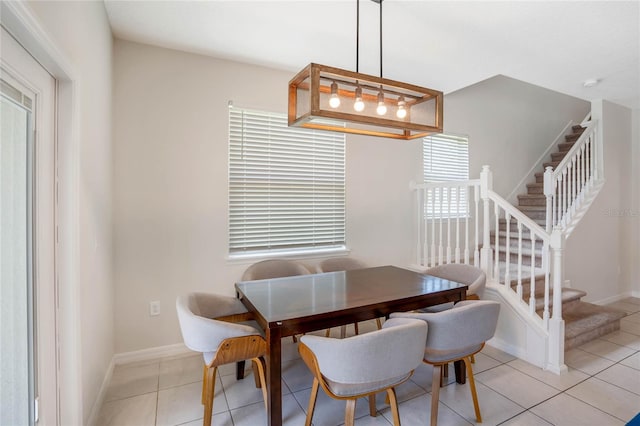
[309, 93]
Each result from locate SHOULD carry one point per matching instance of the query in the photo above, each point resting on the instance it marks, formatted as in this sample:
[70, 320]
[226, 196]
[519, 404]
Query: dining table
[290, 306]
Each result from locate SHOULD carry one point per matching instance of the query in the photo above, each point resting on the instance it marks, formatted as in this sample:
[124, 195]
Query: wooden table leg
[240, 370]
[274, 376]
[461, 376]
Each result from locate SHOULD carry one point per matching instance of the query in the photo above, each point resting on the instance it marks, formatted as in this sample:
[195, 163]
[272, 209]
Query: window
[286, 186]
[446, 158]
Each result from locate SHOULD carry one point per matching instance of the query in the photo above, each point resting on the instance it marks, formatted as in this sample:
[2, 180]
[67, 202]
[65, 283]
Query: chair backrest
[393, 351]
[200, 332]
[457, 332]
[339, 264]
[474, 277]
[273, 268]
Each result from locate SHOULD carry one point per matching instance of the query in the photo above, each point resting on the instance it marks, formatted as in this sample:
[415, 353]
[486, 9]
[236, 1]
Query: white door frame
[20, 21]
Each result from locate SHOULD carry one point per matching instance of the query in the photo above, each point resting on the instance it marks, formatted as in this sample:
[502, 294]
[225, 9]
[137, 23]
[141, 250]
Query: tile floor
[602, 387]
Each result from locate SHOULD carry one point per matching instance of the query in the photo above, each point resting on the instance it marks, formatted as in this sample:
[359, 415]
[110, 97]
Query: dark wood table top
[282, 301]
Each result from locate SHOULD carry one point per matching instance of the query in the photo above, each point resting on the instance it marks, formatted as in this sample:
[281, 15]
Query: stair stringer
[518, 332]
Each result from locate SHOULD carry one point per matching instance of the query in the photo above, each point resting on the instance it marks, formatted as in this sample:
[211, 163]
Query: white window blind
[286, 185]
[446, 158]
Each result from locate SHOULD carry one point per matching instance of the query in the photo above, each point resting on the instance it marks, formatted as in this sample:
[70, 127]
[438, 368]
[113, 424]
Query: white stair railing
[512, 249]
[467, 222]
[567, 187]
[446, 232]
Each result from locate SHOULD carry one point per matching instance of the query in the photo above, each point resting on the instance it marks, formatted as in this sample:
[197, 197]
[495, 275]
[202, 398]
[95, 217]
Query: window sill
[253, 257]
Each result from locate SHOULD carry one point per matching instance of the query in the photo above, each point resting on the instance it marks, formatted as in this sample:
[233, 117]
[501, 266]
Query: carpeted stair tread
[585, 321]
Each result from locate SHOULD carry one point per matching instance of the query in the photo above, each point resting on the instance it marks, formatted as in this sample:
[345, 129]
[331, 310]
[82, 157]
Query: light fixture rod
[380, 38]
[357, 35]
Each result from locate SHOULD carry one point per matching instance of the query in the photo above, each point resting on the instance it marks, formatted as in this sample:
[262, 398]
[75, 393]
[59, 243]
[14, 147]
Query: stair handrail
[521, 186]
[521, 217]
[583, 160]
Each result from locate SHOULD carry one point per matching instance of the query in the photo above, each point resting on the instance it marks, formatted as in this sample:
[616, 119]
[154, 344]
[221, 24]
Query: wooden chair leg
[435, 393]
[210, 392]
[472, 385]
[373, 410]
[355, 326]
[445, 373]
[204, 384]
[259, 365]
[312, 402]
[393, 402]
[343, 331]
[256, 374]
[327, 333]
[473, 359]
[350, 413]
[294, 338]
[379, 323]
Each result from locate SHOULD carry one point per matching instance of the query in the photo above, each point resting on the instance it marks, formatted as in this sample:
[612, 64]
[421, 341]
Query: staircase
[520, 247]
[583, 321]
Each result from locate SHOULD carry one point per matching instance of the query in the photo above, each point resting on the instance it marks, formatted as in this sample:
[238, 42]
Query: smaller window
[446, 158]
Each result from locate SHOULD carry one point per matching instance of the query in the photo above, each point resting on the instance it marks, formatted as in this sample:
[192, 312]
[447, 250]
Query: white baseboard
[616, 298]
[151, 353]
[97, 404]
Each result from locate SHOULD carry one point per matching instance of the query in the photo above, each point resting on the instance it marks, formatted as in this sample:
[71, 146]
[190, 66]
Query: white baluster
[532, 285]
[440, 247]
[507, 262]
[519, 286]
[486, 185]
[448, 225]
[422, 208]
[433, 227]
[545, 269]
[467, 202]
[583, 172]
[548, 192]
[496, 266]
[457, 250]
[476, 248]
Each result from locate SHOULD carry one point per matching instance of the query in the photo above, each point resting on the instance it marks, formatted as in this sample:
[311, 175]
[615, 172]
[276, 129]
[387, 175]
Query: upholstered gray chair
[336, 264]
[455, 335]
[273, 268]
[364, 365]
[473, 277]
[470, 275]
[220, 341]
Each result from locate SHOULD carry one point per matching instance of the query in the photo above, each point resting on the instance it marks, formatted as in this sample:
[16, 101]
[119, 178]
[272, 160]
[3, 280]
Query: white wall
[635, 179]
[599, 253]
[510, 123]
[81, 31]
[170, 184]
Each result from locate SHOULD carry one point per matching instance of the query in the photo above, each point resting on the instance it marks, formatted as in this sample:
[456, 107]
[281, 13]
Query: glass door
[17, 378]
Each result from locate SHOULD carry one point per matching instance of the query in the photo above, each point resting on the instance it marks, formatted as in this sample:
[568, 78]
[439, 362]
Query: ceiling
[444, 45]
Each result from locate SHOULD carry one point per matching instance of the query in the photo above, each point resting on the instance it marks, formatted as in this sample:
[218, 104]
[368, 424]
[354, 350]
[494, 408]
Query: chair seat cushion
[353, 389]
[434, 356]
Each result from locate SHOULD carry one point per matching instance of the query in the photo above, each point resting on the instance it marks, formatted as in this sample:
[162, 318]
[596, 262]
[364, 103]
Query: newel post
[486, 185]
[555, 356]
[548, 192]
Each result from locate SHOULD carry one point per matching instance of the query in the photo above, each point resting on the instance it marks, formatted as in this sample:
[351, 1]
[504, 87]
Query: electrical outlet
[154, 308]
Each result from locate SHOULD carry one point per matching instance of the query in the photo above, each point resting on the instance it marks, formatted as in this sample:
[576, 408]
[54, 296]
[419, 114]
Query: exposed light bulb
[382, 108]
[401, 113]
[334, 100]
[358, 105]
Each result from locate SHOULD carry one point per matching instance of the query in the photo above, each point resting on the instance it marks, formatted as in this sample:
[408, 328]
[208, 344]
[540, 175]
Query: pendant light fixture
[329, 98]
